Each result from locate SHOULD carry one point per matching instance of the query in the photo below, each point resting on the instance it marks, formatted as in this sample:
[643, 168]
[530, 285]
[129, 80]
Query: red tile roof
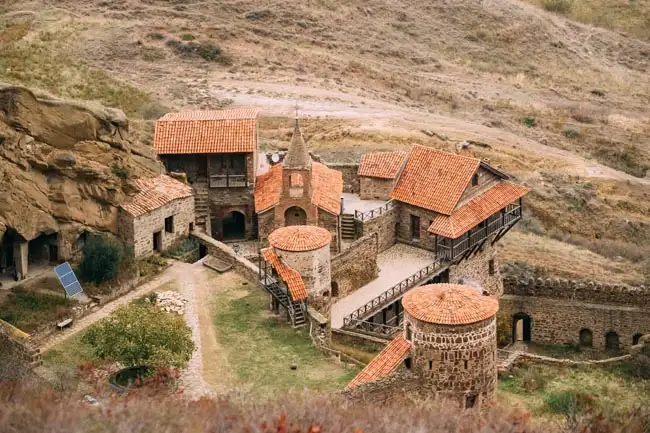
[477, 209]
[384, 363]
[384, 165]
[326, 188]
[223, 131]
[300, 238]
[434, 180]
[154, 193]
[448, 304]
[291, 277]
[268, 187]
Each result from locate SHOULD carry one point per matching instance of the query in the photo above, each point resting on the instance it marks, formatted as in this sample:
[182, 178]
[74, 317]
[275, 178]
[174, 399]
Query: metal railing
[374, 213]
[228, 180]
[391, 294]
[374, 328]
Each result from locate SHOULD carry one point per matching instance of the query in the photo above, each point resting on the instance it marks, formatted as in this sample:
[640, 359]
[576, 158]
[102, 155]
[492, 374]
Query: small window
[415, 227]
[474, 179]
[407, 363]
[491, 267]
[465, 363]
[169, 224]
[470, 401]
[430, 365]
[191, 227]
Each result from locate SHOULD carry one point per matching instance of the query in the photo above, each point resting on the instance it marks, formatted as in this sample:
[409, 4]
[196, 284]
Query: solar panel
[68, 279]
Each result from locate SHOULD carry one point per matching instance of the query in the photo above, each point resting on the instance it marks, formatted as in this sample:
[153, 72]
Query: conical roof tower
[298, 156]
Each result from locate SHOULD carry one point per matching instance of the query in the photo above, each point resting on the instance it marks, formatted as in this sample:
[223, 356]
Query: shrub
[529, 121]
[559, 6]
[184, 247]
[598, 92]
[571, 132]
[206, 51]
[156, 36]
[102, 258]
[563, 402]
[141, 334]
[187, 37]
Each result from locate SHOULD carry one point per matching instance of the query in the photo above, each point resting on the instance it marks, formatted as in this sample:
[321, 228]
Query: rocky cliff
[64, 167]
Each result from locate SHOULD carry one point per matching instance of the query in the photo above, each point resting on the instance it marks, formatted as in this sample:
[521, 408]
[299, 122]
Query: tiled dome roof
[300, 238]
[449, 304]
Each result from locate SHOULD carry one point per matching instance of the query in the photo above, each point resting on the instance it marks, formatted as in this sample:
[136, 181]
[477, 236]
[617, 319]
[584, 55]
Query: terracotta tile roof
[477, 209]
[434, 180]
[384, 165]
[300, 238]
[223, 131]
[291, 277]
[156, 192]
[384, 363]
[268, 187]
[326, 188]
[449, 304]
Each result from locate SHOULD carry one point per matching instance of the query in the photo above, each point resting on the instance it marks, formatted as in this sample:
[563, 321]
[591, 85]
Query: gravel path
[109, 308]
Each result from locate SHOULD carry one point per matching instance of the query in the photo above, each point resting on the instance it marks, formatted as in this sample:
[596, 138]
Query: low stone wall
[383, 225]
[19, 345]
[223, 252]
[587, 291]
[356, 266]
[402, 384]
[350, 178]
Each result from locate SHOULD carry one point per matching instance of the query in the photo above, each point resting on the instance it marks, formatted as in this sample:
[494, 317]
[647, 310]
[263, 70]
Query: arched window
[612, 343]
[295, 216]
[636, 338]
[586, 338]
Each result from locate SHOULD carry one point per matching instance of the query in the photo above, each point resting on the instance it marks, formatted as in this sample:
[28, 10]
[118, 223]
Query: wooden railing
[228, 180]
[374, 213]
[391, 294]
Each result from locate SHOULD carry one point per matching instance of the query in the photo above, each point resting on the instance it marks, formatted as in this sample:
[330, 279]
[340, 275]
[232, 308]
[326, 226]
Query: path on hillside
[107, 309]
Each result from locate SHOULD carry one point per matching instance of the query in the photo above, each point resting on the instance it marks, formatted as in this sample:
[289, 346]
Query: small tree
[142, 334]
[101, 261]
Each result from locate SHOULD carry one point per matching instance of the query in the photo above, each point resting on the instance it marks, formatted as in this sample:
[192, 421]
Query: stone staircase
[201, 203]
[348, 230]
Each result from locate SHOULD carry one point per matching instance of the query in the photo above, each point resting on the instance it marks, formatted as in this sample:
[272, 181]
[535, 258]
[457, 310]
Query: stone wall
[476, 271]
[331, 222]
[350, 178]
[243, 266]
[19, 346]
[559, 321]
[225, 200]
[404, 233]
[402, 385]
[265, 225]
[313, 267]
[140, 230]
[383, 225]
[374, 188]
[458, 361]
[356, 266]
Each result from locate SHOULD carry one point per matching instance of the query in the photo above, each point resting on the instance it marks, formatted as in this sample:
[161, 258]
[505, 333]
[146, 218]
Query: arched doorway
[612, 343]
[586, 338]
[234, 226]
[521, 327]
[636, 338]
[295, 216]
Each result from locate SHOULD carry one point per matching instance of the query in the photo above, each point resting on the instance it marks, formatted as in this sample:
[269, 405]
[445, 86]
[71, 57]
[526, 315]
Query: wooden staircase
[294, 308]
[348, 229]
[201, 203]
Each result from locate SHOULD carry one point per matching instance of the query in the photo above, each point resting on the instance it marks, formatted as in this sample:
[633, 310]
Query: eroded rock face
[64, 167]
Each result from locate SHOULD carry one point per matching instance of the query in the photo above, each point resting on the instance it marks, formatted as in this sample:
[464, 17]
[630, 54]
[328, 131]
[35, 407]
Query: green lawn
[71, 352]
[261, 347]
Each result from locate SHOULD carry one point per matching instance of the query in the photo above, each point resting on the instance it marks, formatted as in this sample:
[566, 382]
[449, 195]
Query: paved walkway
[395, 264]
[352, 202]
[107, 309]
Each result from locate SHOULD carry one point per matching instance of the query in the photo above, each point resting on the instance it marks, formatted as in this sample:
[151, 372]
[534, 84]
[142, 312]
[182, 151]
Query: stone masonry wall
[265, 226]
[243, 266]
[19, 345]
[330, 222]
[404, 233]
[356, 266]
[401, 385]
[314, 268]
[140, 231]
[350, 178]
[374, 188]
[225, 200]
[456, 361]
[559, 321]
[475, 271]
[383, 225]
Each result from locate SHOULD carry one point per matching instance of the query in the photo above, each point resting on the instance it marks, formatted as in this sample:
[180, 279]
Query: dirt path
[81, 324]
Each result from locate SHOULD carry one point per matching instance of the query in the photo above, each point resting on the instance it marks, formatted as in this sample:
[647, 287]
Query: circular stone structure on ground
[300, 238]
[453, 332]
[306, 249]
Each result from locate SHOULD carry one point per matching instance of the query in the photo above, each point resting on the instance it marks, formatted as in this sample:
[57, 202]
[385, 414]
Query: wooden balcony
[450, 250]
[228, 180]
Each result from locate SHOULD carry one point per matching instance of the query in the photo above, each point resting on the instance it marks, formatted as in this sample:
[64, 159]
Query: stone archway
[636, 338]
[521, 327]
[586, 338]
[612, 342]
[295, 216]
[234, 226]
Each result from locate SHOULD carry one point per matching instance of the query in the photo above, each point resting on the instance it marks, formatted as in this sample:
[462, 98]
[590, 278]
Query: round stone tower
[452, 329]
[306, 249]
